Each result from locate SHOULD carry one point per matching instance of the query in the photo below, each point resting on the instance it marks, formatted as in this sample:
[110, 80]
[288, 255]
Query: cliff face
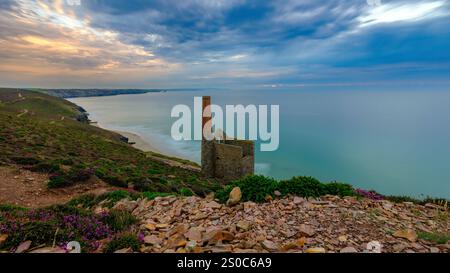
[74, 93]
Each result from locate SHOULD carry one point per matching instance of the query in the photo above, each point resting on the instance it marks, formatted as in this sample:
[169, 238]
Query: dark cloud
[281, 41]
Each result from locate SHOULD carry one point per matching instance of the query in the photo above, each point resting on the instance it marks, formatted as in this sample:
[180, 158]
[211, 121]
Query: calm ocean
[393, 142]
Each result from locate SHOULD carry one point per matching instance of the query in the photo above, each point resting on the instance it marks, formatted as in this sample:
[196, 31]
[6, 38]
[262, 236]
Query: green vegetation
[437, 238]
[73, 93]
[109, 199]
[60, 224]
[257, 188]
[44, 134]
[152, 195]
[184, 161]
[186, 192]
[123, 241]
[119, 220]
[399, 199]
[253, 187]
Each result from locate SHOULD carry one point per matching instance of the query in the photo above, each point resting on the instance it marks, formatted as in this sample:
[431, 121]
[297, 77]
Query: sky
[224, 43]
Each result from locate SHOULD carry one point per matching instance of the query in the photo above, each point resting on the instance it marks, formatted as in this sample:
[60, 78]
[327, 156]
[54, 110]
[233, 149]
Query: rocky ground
[290, 224]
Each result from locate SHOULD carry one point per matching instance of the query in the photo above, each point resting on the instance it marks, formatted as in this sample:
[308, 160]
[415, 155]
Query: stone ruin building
[222, 157]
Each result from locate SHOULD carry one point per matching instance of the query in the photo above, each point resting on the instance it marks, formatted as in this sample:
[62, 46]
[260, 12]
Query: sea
[395, 142]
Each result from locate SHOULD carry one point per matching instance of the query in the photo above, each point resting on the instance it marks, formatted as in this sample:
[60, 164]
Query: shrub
[122, 241]
[36, 231]
[85, 201]
[59, 224]
[24, 160]
[119, 220]
[340, 189]
[302, 186]
[140, 183]
[257, 187]
[58, 180]
[48, 167]
[111, 179]
[79, 173]
[76, 174]
[186, 192]
[253, 188]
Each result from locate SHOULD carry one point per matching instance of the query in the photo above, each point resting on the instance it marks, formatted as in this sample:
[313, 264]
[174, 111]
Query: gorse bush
[257, 187]
[302, 186]
[340, 189]
[253, 187]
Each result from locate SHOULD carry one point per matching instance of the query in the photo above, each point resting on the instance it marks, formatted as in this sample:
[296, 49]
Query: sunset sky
[224, 43]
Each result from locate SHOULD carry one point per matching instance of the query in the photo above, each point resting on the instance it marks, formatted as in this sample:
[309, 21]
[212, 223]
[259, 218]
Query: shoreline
[138, 141]
[134, 139]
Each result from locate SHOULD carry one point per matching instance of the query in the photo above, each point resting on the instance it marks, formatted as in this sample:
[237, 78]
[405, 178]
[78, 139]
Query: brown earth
[29, 189]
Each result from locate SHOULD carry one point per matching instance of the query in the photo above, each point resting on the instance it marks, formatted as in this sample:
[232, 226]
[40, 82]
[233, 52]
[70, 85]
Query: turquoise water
[394, 142]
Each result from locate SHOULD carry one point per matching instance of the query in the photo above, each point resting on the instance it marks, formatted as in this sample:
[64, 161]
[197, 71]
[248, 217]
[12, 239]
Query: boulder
[234, 197]
[23, 247]
[408, 234]
[125, 205]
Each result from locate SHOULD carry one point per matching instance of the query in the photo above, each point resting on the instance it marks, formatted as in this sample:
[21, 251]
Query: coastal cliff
[58, 173]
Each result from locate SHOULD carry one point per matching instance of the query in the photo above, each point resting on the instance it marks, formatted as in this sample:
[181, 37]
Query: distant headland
[76, 93]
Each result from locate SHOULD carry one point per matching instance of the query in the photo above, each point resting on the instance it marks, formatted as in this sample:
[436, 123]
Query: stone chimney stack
[207, 150]
[226, 158]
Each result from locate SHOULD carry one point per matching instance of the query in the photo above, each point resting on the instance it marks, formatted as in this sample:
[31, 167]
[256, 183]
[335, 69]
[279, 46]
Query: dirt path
[29, 189]
[25, 111]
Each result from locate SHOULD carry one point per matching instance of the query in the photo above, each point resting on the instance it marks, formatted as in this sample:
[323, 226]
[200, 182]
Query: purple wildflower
[373, 195]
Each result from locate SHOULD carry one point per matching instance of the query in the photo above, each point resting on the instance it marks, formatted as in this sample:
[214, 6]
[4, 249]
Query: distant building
[227, 159]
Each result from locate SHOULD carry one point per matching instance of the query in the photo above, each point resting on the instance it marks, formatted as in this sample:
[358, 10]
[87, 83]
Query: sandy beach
[138, 141]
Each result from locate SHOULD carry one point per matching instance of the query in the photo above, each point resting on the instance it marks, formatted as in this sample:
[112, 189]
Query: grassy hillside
[48, 134]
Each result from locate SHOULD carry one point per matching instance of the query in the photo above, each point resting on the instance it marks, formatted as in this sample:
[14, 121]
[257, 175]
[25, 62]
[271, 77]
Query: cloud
[391, 13]
[195, 43]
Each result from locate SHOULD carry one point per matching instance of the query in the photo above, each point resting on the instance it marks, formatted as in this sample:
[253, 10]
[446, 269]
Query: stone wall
[230, 159]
